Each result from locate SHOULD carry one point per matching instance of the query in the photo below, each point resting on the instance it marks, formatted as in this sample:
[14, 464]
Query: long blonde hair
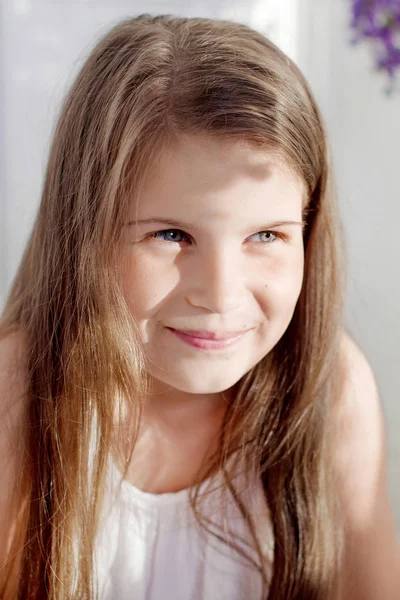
[148, 80]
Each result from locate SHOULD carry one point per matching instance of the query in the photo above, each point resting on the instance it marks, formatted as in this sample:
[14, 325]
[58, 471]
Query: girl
[182, 414]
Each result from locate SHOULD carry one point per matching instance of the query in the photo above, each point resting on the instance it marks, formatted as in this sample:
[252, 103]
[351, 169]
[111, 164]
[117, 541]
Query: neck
[174, 408]
[178, 432]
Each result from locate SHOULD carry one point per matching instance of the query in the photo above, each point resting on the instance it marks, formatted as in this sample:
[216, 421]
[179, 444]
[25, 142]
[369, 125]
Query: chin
[204, 388]
[199, 384]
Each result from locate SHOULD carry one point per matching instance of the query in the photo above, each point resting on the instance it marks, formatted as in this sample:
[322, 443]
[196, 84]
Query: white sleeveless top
[150, 546]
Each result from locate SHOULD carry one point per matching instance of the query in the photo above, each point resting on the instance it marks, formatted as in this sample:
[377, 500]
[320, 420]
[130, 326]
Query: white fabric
[150, 546]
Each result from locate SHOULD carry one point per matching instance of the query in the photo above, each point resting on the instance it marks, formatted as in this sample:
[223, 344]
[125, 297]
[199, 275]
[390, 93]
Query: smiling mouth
[207, 340]
[210, 335]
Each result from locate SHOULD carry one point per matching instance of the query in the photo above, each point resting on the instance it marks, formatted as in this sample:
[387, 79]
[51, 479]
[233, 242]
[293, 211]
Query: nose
[216, 281]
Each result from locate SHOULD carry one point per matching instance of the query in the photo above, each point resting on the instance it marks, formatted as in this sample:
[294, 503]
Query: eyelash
[155, 235]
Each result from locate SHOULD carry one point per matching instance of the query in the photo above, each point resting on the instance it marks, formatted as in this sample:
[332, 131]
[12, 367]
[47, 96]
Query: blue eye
[170, 235]
[272, 235]
[177, 235]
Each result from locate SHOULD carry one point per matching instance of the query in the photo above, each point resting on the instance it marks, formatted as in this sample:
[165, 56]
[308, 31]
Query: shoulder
[13, 350]
[13, 370]
[359, 415]
[360, 442]
[372, 554]
[354, 362]
[13, 417]
[13, 392]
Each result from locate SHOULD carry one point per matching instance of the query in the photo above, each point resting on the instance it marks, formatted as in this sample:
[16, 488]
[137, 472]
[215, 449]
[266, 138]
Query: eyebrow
[182, 225]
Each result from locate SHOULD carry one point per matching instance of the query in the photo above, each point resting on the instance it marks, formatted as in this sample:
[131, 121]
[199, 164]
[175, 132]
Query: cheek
[145, 284]
[282, 285]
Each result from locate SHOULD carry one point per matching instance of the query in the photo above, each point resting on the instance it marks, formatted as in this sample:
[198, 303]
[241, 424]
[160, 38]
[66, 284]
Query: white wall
[364, 127]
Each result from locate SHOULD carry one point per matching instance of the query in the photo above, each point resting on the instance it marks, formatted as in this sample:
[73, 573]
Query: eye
[179, 236]
[267, 237]
[170, 235]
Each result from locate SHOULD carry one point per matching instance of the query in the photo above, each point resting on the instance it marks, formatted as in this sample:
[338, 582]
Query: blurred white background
[43, 44]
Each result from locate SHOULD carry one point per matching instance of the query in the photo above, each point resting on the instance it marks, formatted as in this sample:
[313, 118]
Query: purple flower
[379, 21]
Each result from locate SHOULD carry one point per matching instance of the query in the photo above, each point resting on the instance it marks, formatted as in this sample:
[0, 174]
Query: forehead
[220, 175]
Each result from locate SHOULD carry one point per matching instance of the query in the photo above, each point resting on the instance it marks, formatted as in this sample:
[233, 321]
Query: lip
[209, 335]
[207, 340]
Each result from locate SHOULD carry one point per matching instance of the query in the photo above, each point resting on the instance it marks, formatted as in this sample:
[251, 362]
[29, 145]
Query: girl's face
[217, 249]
